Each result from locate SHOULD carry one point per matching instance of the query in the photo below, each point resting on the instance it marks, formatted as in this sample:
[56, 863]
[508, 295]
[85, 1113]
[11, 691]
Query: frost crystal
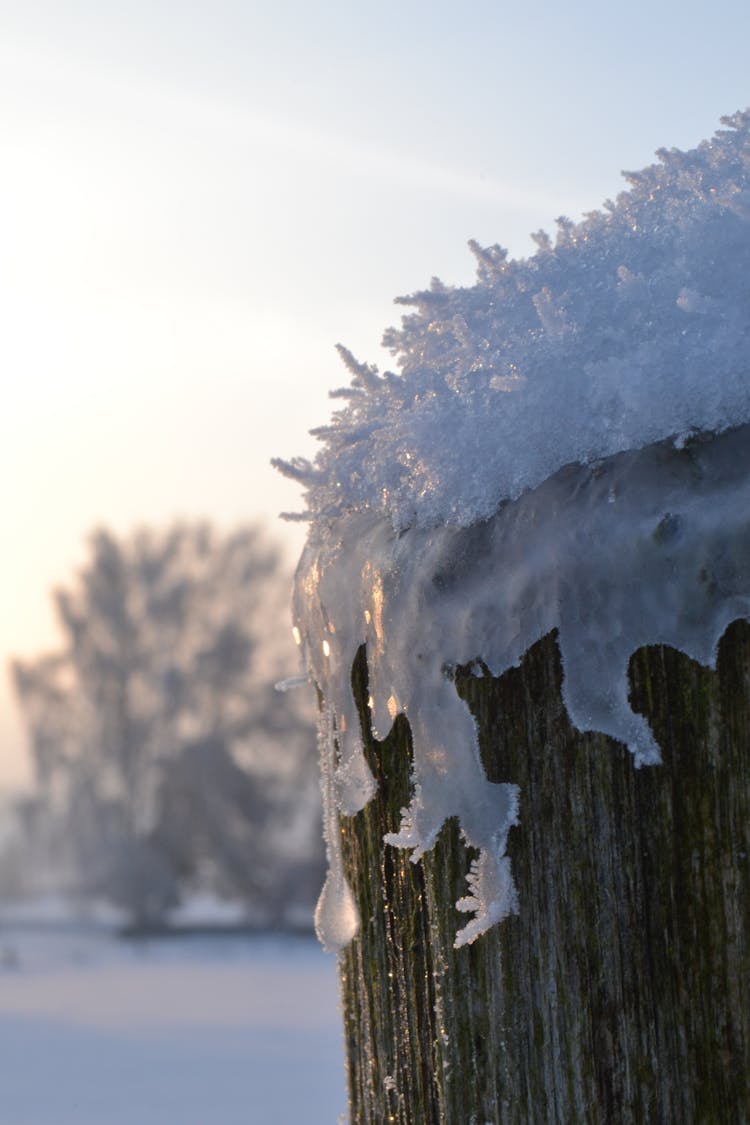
[631, 328]
[566, 448]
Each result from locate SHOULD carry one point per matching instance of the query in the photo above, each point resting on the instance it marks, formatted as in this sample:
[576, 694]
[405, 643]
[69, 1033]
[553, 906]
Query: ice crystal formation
[566, 448]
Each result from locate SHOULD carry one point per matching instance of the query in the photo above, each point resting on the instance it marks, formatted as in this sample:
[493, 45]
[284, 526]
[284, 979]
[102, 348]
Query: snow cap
[631, 328]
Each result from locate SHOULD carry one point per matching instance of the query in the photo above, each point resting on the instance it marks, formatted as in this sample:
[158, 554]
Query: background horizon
[198, 203]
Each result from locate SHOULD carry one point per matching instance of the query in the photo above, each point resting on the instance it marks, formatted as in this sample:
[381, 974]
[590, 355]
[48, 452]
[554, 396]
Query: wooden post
[620, 992]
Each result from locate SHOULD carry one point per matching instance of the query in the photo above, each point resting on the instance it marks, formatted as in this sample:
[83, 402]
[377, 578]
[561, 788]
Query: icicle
[336, 915]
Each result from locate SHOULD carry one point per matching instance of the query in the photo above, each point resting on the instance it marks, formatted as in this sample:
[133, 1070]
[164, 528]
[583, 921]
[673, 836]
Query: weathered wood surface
[621, 991]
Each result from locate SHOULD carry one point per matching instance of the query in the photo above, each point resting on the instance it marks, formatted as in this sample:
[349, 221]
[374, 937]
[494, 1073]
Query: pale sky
[197, 201]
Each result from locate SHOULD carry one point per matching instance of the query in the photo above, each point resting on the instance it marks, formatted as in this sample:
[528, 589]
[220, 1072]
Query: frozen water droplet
[336, 915]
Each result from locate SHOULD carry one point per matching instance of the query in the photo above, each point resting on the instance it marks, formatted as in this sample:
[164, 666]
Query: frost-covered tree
[162, 757]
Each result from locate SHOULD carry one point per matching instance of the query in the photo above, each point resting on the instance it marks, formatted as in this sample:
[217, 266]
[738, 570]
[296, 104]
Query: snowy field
[95, 1030]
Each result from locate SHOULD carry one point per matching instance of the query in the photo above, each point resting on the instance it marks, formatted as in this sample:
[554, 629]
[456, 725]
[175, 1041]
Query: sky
[198, 201]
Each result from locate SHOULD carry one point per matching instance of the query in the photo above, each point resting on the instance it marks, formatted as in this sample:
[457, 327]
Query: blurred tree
[162, 758]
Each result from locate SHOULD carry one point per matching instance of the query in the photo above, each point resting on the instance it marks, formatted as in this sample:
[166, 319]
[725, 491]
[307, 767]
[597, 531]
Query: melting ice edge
[645, 547]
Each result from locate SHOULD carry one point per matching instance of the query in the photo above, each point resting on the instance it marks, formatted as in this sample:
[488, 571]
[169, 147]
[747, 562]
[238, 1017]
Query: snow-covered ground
[95, 1030]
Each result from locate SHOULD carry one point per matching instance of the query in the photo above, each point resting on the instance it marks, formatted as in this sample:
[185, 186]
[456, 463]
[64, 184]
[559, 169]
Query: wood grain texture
[620, 993]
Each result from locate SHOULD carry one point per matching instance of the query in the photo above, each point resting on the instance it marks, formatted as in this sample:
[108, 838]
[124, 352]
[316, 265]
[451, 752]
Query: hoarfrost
[566, 449]
[631, 328]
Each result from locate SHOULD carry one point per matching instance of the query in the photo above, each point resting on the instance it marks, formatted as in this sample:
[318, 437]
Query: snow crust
[566, 448]
[95, 1030]
[648, 547]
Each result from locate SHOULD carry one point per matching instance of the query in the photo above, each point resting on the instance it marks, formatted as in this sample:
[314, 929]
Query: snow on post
[565, 451]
